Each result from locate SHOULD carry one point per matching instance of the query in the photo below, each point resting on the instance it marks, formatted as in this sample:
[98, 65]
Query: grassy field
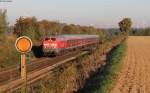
[134, 76]
[103, 81]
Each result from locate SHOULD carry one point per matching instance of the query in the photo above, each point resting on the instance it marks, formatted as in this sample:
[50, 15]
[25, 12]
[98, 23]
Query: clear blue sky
[100, 13]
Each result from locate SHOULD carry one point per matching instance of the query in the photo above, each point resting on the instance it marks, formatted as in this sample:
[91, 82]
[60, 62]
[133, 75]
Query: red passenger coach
[56, 45]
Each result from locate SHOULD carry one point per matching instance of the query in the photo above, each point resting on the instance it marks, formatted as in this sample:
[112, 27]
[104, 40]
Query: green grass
[104, 80]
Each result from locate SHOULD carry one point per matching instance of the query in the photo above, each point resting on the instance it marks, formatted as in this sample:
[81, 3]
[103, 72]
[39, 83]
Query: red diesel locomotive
[56, 45]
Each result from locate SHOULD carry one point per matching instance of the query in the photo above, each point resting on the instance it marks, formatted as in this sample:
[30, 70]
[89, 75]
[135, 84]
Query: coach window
[69, 42]
[73, 42]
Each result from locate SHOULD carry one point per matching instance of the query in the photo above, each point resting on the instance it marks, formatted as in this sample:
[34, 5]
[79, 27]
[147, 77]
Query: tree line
[37, 29]
[140, 32]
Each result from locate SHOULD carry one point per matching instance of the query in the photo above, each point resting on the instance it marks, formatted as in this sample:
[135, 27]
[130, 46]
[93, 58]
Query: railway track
[10, 79]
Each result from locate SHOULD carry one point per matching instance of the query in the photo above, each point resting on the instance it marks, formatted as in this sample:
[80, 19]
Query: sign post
[23, 67]
[23, 45]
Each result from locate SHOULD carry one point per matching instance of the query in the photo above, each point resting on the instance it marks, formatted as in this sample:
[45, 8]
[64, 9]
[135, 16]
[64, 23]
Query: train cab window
[53, 39]
[46, 39]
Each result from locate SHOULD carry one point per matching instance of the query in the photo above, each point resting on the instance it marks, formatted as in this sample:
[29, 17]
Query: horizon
[100, 14]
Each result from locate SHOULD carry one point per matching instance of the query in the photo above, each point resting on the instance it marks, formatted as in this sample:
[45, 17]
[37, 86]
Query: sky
[99, 13]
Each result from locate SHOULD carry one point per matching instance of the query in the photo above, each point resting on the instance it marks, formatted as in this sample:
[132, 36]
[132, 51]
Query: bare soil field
[135, 73]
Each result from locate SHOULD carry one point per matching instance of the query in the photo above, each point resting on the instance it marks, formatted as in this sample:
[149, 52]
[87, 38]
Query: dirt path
[135, 73]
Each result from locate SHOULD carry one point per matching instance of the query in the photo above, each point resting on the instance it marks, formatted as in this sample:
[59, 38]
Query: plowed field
[135, 73]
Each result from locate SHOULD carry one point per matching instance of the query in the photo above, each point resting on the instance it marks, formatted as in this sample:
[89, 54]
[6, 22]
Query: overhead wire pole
[61, 29]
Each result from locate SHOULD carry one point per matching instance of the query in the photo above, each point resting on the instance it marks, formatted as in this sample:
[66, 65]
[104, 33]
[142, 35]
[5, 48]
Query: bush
[103, 80]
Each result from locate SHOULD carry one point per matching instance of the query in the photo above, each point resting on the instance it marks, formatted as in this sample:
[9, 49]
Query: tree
[147, 32]
[125, 25]
[67, 29]
[26, 26]
[3, 22]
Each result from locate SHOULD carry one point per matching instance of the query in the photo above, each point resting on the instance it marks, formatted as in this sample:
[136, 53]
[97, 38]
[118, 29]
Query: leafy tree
[84, 29]
[147, 31]
[44, 28]
[125, 25]
[67, 29]
[3, 22]
[55, 27]
[26, 26]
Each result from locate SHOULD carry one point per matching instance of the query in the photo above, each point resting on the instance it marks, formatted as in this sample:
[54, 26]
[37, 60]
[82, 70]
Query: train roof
[66, 37]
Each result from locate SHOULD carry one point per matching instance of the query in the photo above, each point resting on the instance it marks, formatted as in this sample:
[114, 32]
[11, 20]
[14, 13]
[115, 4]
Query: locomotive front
[50, 46]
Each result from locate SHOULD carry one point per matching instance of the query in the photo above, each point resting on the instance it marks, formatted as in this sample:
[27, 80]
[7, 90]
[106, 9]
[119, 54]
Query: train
[59, 44]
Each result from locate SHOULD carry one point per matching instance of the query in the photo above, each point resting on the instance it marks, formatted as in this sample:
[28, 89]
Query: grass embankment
[103, 81]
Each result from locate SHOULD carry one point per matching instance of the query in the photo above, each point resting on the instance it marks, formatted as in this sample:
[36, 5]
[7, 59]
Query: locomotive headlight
[45, 44]
[54, 45]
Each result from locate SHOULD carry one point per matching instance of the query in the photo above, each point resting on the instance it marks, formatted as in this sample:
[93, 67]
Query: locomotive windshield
[46, 39]
[52, 38]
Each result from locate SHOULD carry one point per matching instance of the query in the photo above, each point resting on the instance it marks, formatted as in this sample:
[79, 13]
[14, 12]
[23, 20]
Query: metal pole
[24, 72]
[23, 67]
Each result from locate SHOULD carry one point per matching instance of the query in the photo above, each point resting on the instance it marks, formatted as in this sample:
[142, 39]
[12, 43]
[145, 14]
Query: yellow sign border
[17, 43]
